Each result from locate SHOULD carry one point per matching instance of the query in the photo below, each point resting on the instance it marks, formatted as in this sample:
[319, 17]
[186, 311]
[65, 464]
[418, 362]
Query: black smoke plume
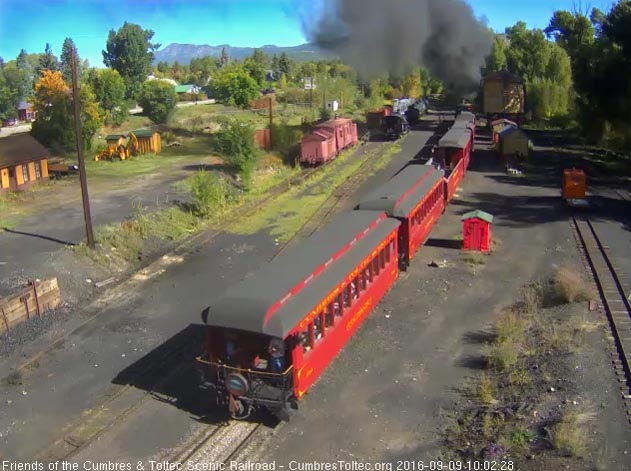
[381, 36]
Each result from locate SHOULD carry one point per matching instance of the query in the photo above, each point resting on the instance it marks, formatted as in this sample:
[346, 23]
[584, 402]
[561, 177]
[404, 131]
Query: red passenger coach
[454, 149]
[270, 336]
[415, 196]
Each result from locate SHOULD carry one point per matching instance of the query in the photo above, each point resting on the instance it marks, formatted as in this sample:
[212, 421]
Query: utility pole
[271, 121]
[79, 138]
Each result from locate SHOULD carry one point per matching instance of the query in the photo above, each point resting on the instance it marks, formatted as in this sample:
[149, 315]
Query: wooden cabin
[115, 140]
[503, 94]
[23, 161]
[513, 141]
[148, 141]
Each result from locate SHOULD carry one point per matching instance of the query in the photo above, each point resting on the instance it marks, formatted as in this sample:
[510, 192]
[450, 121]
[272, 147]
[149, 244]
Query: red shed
[476, 231]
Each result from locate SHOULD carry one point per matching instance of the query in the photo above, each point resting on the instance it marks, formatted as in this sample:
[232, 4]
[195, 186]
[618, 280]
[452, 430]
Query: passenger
[277, 355]
[353, 290]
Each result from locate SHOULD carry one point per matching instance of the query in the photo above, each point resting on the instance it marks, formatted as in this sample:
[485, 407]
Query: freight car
[270, 336]
[327, 140]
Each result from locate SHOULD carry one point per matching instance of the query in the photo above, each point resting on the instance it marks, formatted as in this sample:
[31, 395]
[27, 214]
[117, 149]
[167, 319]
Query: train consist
[270, 336]
[327, 140]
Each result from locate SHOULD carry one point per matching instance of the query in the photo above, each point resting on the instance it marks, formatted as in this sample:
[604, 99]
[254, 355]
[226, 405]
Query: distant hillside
[183, 53]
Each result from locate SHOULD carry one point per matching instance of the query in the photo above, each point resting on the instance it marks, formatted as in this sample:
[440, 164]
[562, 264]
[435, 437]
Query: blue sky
[31, 24]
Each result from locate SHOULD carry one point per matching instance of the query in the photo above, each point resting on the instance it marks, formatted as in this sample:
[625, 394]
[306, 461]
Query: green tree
[224, 59]
[54, 125]
[47, 61]
[8, 98]
[109, 89]
[285, 65]
[234, 86]
[496, 60]
[130, 51]
[25, 79]
[275, 66]
[157, 100]
[66, 60]
[203, 68]
[255, 70]
[235, 142]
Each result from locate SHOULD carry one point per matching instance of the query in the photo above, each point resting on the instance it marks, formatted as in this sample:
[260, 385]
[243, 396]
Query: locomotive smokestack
[377, 36]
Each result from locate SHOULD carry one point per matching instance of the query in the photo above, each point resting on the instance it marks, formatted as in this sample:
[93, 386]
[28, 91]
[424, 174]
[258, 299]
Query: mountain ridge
[183, 53]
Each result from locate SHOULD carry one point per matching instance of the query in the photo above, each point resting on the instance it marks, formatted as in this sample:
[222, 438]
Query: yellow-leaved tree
[54, 122]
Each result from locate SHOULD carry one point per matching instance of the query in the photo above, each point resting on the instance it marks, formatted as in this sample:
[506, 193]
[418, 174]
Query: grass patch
[569, 435]
[14, 379]
[473, 259]
[301, 201]
[486, 390]
[568, 286]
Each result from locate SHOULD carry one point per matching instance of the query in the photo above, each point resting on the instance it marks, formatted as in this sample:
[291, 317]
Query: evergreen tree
[223, 59]
[47, 61]
[66, 60]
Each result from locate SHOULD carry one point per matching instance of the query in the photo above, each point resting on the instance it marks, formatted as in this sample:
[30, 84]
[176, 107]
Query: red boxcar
[373, 118]
[415, 196]
[270, 336]
[327, 141]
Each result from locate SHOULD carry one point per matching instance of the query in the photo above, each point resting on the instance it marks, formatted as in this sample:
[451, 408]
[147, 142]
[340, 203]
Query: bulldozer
[122, 152]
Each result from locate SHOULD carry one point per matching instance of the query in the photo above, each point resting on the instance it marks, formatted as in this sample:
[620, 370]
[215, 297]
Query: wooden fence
[34, 301]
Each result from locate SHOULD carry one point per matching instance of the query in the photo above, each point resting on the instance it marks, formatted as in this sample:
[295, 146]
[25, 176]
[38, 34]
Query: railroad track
[216, 444]
[329, 208]
[614, 300]
[73, 442]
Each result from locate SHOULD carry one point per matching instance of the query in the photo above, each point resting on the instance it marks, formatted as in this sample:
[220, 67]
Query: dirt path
[390, 393]
[93, 362]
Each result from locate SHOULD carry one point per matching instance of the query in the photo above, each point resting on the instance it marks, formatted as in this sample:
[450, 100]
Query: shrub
[157, 99]
[209, 193]
[569, 286]
[235, 142]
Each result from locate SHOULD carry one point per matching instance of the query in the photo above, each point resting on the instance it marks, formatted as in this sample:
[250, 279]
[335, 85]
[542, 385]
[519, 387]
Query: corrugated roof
[20, 148]
[183, 88]
[114, 137]
[510, 130]
[263, 302]
[455, 137]
[400, 195]
[478, 214]
[144, 132]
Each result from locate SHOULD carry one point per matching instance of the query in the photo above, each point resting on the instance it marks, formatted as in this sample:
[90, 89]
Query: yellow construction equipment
[122, 152]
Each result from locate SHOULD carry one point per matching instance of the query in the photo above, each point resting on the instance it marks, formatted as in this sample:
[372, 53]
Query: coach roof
[259, 303]
[455, 137]
[400, 195]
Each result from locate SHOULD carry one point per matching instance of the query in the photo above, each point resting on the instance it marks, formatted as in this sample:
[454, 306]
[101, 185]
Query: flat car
[415, 196]
[270, 336]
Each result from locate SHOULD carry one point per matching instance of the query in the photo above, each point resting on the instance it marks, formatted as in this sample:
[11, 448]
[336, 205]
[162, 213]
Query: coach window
[363, 279]
[305, 337]
[317, 327]
[382, 260]
[387, 249]
[347, 296]
[375, 266]
[392, 246]
[329, 316]
[337, 306]
[355, 288]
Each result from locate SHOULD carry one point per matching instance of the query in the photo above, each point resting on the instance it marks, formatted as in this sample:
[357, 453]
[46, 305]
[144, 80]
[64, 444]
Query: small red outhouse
[476, 231]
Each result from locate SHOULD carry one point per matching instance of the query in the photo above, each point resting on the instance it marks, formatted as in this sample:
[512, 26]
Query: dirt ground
[398, 385]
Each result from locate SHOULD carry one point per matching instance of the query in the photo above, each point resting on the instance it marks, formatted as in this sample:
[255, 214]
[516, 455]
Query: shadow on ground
[171, 375]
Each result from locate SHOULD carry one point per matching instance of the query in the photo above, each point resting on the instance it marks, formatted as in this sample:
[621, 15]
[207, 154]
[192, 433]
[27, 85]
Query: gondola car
[415, 196]
[270, 336]
[394, 126]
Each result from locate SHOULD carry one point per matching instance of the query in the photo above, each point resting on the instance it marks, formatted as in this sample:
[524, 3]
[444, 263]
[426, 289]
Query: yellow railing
[244, 370]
